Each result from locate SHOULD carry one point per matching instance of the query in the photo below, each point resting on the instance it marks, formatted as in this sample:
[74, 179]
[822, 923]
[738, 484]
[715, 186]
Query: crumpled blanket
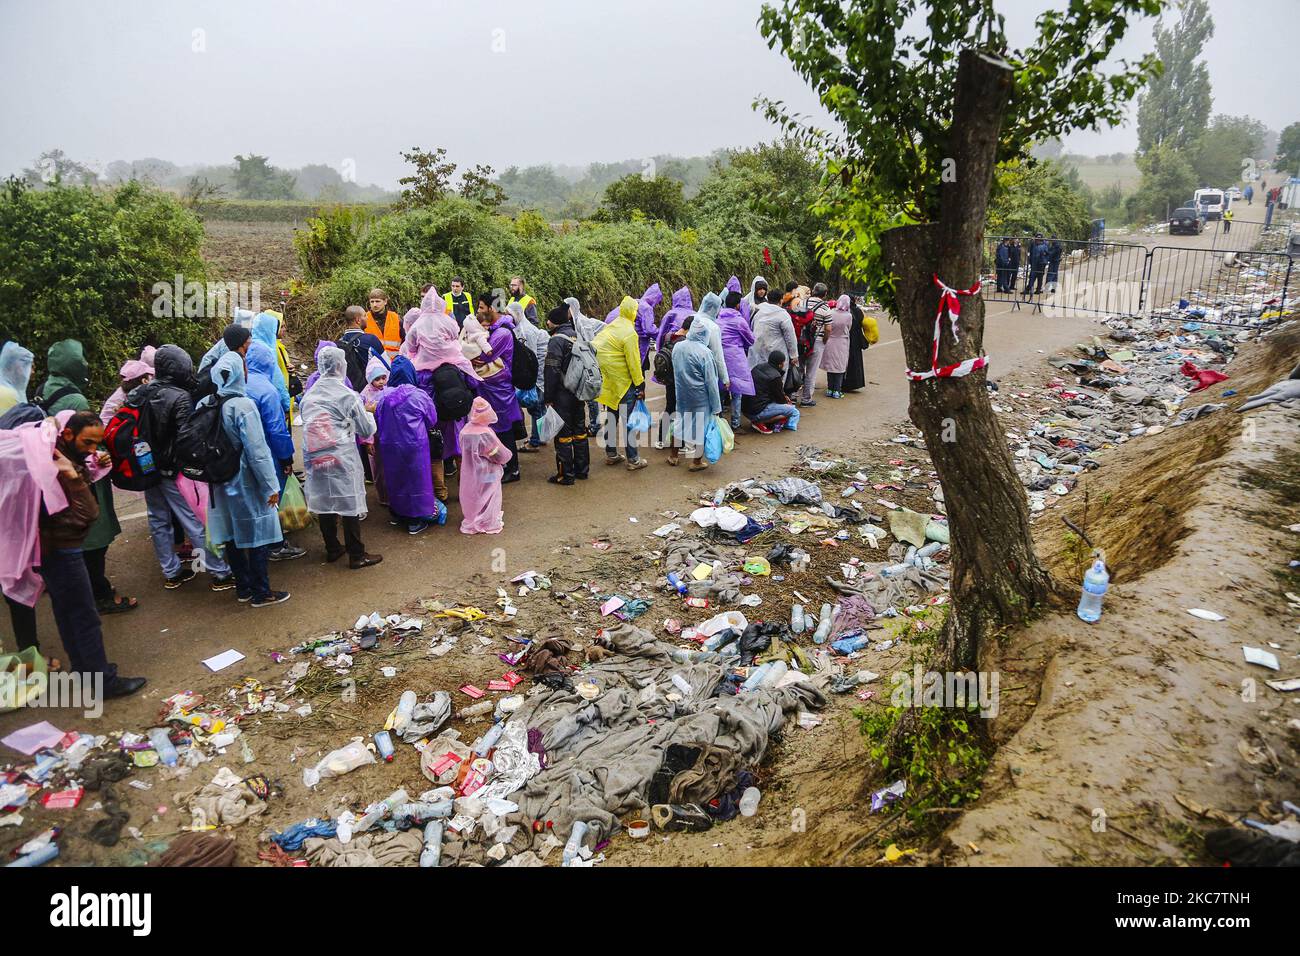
[723, 585]
[792, 491]
[380, 848]
[602, 755]
[222, 806]
[548, 656]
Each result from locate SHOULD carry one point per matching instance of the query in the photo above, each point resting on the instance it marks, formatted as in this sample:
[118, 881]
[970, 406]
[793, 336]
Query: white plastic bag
[338, 762]
[550, 425]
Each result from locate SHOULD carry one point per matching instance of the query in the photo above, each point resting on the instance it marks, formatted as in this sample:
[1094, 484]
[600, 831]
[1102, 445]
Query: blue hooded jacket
[261, 365]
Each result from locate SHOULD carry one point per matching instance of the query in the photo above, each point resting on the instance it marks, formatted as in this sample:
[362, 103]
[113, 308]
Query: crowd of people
[402, 404]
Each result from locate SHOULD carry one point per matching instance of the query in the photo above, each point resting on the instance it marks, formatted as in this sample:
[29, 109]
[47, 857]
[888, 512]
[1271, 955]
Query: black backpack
[203, 451]
[357, 357]
[523, 370]
[451, 396]
[44, 404]
[129, 438]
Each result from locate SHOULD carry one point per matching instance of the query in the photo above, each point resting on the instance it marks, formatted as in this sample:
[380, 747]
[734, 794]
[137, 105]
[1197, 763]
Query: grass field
[1101, 175]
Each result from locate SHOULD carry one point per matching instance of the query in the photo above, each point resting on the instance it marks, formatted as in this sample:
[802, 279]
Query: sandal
[119, 605]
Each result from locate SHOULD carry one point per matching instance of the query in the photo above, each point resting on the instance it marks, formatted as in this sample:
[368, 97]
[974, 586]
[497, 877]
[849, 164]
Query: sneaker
[365, 561]
[275, 597]
[616, 460]
[244, 598]
[511, 478]
[529, 449]
[123, 686]
[186, 573]
[761, 428]
[223, 584]
[808, 404]
[288, 553]
[415, 527]
[331, 557]
[637, 465]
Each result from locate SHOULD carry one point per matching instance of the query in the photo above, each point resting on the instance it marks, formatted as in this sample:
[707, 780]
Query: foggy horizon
[506, 83]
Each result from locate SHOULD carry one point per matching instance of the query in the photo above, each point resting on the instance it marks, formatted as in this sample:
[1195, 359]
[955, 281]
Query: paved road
[174, 630]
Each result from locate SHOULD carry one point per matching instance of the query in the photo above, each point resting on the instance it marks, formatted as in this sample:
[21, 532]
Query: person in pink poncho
[483, 461]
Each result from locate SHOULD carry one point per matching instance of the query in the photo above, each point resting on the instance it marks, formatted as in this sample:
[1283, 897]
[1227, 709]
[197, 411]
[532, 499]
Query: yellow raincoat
[618, 353]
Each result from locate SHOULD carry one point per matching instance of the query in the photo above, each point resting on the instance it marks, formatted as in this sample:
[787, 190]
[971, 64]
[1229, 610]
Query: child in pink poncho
[483, 461]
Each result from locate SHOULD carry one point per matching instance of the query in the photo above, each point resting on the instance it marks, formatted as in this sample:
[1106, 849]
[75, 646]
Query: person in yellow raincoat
[618, 353]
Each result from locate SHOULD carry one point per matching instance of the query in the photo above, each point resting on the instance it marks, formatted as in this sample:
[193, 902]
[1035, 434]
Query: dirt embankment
[1125, 729]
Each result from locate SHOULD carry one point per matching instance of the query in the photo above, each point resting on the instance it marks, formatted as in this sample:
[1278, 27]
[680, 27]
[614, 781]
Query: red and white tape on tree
[950, 303]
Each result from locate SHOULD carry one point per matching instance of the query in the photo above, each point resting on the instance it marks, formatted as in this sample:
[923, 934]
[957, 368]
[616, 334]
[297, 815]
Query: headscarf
[228, 375]
[401, 372]
[843, 303]
[16, 369]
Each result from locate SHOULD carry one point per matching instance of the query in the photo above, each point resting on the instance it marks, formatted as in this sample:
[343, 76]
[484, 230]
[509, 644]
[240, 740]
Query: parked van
[1211, 203]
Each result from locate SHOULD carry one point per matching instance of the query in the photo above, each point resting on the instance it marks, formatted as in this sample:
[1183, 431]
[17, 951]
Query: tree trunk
[996, 577]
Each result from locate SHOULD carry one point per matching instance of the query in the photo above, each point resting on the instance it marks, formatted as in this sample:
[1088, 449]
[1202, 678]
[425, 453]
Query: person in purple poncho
[407, 420]
[646, 329]
[683, 304]
[733, 285]
[494, 369]
[737, 337]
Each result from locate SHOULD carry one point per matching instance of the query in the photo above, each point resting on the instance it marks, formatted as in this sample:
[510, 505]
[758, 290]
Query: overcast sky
[505, 82]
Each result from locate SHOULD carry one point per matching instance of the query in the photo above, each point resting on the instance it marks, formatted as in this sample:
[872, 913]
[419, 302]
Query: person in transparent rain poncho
[483, 461]
[333, 418]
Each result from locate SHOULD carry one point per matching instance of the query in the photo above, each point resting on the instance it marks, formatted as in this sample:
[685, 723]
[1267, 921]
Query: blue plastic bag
[440, 515]
[712, 440]
[639, 420]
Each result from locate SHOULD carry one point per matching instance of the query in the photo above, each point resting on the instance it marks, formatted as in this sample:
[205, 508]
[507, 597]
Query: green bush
[327, 239]
[80, 263]
[597, 262]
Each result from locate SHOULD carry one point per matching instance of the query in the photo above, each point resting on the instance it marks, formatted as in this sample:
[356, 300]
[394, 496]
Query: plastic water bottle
[431, 855]
[682, 685]
[489, 740]
[756, 677]
[749, 801]
[575, 842]
[144, 456]
[677, 584]
[405, 710]
[1095, 584]
[162, 745]
[796, 618]
[824, 626]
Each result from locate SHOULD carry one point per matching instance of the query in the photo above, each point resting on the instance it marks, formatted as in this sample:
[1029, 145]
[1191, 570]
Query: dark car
[1186, 219]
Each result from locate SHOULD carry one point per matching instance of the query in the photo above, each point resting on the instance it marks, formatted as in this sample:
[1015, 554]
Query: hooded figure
[321, 346]
[498, 388]
[749, 297]
[375, 371]
[259, 365]
[240, 509]
[835, 357]
[733, 285]
[618, 355]
[266, 329]
[433, 339]
[333, 418]
[584, 325]
[737, 337]
[483, 461]
[682, 306]
[708, 314]
[15, 375]
[696, 380]
[131, 374]
[404, 416]
[536, 339]
[644, 323]
[69, 376]
[773, 332]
